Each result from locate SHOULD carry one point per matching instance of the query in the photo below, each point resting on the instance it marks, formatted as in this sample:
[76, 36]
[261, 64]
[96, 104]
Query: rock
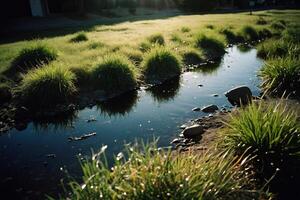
[238, 95]
[200, 85]
[83, 137]
[210, 108]
[176, 140]
[193, 131]
[196, 109]
[5, 94]
[215, 95]
[51, 155]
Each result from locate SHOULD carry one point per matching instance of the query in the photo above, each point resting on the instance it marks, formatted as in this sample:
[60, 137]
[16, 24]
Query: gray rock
[193, 131]
[210, 108]
[238, 95]
[196, 109]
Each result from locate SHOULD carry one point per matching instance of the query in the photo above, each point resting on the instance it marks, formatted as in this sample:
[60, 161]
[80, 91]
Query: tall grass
[261, 21]
[211, 45]
[269, 131]
[281, 75]
[156, 39]
[79, 37]
[146, 173]
[272, 48]
[33, 56]
[47, 86]
[191, 56]
[160, 64]
[114, 73]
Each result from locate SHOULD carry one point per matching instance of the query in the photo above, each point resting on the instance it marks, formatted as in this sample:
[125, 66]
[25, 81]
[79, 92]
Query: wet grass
[160, 64]
[143, 172]
[47, 86]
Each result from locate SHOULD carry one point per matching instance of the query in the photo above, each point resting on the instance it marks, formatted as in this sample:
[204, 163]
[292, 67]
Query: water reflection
[167, 91]
[244, 48]
[118, 106]
[55, 123]
[209, 69]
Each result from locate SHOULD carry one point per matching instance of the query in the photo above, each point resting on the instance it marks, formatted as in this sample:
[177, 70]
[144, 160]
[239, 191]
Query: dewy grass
[148, 173]
[33, 56]
[157, 39]
[281, 75]
[268, 131]
[79, 37]
[114, 73]
[160, 64]
[47, 86]
[212, 46]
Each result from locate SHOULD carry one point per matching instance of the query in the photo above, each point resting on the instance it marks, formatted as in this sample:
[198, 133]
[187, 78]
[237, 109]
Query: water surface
[26, 171]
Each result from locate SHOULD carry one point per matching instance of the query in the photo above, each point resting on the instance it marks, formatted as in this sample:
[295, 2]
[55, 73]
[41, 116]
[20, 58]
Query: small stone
[215, 95]
[51, 155]
[196, 109]
[200, 85]
[193, 131]
[210, 108]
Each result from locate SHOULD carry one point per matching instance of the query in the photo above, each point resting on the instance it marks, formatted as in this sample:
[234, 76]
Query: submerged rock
[210, 108]
[193, 131]
[85, 136]
[196, 109]
[238, 95]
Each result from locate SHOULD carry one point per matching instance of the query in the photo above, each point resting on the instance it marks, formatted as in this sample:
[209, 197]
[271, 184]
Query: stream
[33, 161]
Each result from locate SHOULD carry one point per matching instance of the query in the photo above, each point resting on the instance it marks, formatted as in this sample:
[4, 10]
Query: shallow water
[26, 171]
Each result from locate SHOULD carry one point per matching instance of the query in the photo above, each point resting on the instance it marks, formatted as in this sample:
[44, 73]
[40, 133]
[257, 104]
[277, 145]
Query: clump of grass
[278, 25]
[265, 33]
[176, 38]
[156, 39]
[212, 47]
[185, 29]
[249, 33]
[134, 55]
[268, 131]
[291, 34]
[261, 21]
[96, 45]
[34, 56]
[277, 48]
[147, 173]
[145, 46]
[160, 64]
[82, 75]
[47, 86]
[192, 56]
[79, 37]
[281, 75]
[114, 73]
[230, 35]
[209, 26]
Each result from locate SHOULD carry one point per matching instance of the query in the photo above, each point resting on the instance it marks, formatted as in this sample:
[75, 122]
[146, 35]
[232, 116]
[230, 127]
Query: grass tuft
[34, 56]
[114, 73]
[261, 21]
[230, 35]
[278, 25]
[249, 33]
[47, 86]
[157, 39]
[281, 75]
[212, 47]
[185, 29]
[79, 37]
[160, 64]
[191, 56]
[147, 173]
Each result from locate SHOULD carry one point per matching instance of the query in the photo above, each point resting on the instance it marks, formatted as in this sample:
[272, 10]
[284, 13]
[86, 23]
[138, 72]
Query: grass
[160, 64]
[33, 56]
[79, 37]
[249, 33]
[147, 173]
[191, 56]
[156, 39]
[261, 21]
[5, 93]
[230, 35]
[114, 73]
[264, 33]
[270, 133]
[281, 75]
[278, 25]
[185, 29]
[47, 86]
[273, 48]
[212, 46]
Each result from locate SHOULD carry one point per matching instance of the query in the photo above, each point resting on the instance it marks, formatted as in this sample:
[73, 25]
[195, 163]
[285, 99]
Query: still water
[27, 172]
